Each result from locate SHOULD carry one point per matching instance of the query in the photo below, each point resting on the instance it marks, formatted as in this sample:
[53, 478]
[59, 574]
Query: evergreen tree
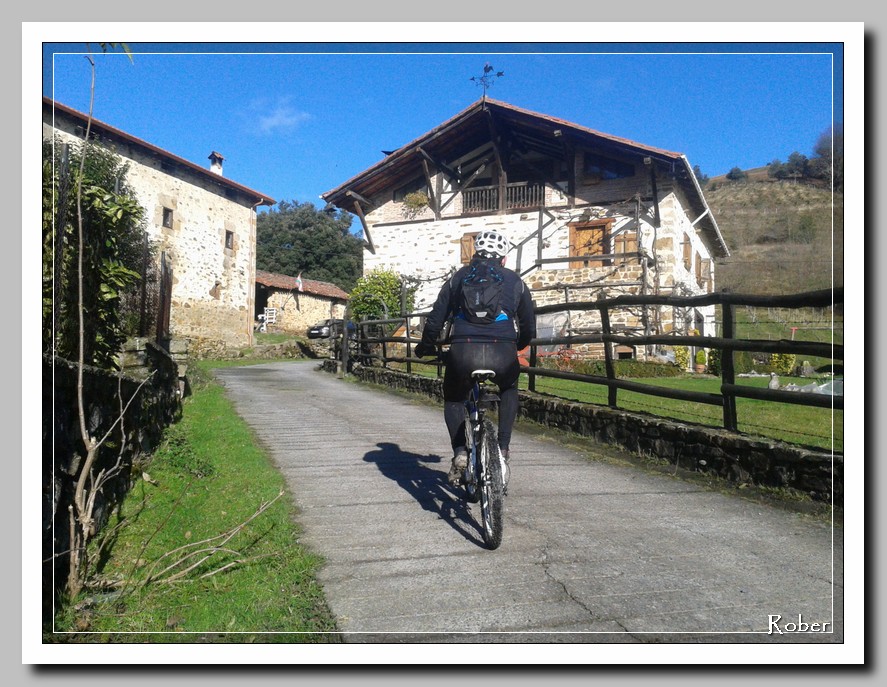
[700, 176]
[296, 238]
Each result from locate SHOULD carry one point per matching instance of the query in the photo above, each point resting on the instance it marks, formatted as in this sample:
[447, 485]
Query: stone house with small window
[203, 224]
[293, 305]
[588, 215]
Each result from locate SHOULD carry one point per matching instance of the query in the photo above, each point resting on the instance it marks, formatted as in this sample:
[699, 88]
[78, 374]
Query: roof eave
[720, 244]
[260, 198]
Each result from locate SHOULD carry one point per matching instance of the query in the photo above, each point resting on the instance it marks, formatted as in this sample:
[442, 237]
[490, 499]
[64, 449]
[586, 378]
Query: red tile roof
[315, 288]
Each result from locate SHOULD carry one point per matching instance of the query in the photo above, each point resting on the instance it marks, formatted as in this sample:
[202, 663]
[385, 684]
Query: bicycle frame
[476, 405]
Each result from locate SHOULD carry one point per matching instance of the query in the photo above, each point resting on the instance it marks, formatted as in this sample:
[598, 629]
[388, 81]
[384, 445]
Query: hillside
[779, 233]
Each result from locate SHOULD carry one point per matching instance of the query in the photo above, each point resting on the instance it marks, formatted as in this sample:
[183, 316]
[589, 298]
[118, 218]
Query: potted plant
[414, 203]
[699, 368]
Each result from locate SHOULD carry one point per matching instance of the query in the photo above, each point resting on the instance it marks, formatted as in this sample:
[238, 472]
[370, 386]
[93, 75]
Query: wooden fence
[383, 349]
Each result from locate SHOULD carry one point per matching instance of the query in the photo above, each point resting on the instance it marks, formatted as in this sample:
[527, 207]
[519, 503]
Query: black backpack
[480, 293]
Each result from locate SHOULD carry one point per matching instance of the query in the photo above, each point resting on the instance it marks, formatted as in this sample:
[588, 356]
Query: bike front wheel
[491, 487]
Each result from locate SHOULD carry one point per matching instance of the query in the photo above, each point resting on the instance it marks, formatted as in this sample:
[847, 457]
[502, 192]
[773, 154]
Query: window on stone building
[688, 252]
[589, 239]
[167, 218]
[229, 239]
[704, 276]
[626, 243]
[601, 168]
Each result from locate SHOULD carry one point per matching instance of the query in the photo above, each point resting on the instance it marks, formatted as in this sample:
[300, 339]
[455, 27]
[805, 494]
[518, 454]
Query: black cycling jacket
[517, 305]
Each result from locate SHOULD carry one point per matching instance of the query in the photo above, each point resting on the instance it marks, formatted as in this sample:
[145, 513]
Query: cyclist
[474, 345]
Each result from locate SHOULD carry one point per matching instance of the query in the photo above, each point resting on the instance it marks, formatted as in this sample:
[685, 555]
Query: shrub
[377, 295]
[782, 363]
[743, 362]
[700, 357]
[682, 357]
[622, 368]
[714, 361]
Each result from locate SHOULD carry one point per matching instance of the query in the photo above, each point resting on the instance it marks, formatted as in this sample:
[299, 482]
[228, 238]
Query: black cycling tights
[464, 358]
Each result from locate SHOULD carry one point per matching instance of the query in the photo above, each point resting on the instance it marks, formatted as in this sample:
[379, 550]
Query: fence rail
[377, 348]
[517, 196]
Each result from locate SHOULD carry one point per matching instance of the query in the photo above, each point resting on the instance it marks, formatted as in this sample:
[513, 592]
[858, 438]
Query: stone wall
[296, 312]
[157, 404]
[735, 457]
[209, 239]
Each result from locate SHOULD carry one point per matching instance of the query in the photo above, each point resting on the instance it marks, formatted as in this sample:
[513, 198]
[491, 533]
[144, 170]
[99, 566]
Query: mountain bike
[483, 478]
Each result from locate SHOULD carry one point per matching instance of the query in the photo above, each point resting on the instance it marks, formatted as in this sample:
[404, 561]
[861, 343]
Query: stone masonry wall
[213, 283]
[157, 404]
[297, 312]
[734, 457]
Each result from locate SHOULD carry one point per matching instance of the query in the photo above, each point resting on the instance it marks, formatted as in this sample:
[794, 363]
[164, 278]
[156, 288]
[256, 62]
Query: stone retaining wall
[735, 457]
[157, 404]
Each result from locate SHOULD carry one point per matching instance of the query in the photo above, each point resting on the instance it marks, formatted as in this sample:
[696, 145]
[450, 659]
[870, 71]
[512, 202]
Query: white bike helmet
[491, 244]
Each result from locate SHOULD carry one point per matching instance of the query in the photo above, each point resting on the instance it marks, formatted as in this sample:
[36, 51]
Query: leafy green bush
[682, 357]
[714, 361]
[629, 368]
[700, 357]
[113, 238]
[377, 295]
[782, 363]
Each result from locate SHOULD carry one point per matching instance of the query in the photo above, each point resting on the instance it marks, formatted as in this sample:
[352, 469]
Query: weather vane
[487, 79]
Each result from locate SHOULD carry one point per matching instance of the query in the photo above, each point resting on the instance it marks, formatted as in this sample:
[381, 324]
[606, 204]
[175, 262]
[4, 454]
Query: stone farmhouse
[205, 226]
[588, 215]
[293, 307]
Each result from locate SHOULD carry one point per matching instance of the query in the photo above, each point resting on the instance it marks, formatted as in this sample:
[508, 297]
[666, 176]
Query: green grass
[267, 338]
[815, 427]
[796, 424]
[208, 477]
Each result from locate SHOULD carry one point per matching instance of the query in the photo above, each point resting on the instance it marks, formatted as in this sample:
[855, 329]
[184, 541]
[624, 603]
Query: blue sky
[296, 120]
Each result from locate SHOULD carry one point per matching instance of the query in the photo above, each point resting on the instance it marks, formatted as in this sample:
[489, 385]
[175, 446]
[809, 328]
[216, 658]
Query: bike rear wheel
[491, 487]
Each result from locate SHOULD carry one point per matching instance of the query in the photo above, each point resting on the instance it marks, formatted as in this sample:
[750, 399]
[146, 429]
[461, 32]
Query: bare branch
[187, 551]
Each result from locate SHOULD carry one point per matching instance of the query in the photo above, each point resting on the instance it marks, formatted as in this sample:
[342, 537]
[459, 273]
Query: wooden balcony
[485, 199]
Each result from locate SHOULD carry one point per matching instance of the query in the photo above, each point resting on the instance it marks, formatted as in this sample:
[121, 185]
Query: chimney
[215, 163]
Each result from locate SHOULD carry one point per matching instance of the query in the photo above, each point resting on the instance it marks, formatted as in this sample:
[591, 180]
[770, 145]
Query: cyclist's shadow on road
[428, 486]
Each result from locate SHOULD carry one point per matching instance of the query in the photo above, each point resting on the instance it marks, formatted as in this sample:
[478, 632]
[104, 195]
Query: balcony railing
[517, 196]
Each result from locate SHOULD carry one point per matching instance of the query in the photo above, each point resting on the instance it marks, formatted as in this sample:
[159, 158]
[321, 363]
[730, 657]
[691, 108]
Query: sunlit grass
[209, 477]
[818, 427]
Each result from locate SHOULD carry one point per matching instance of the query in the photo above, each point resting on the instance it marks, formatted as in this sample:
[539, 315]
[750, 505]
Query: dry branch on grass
[195, 554]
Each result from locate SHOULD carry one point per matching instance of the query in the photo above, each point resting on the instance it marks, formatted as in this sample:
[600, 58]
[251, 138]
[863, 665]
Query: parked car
[322, 330]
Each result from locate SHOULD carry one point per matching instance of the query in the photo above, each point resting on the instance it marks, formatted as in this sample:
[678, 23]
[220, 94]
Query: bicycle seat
[482, 375]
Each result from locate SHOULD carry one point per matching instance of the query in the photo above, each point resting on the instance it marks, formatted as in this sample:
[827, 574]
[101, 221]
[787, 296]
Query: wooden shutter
[467, 248]
[625, 243]
[590, 238]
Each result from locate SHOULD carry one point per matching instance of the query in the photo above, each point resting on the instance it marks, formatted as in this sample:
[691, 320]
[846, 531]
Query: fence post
[345, 344]
[407, 346]
[608, 356]
[728, 371]
[531, 377]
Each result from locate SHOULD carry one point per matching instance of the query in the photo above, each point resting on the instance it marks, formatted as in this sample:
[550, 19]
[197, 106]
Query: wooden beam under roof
[446, 169]
[368, 241]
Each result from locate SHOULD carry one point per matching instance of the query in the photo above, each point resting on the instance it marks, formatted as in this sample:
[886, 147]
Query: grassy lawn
[207, 480]
[818, 427]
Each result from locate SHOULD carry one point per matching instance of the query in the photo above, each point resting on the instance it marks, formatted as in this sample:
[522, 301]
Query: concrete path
[592, 552]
